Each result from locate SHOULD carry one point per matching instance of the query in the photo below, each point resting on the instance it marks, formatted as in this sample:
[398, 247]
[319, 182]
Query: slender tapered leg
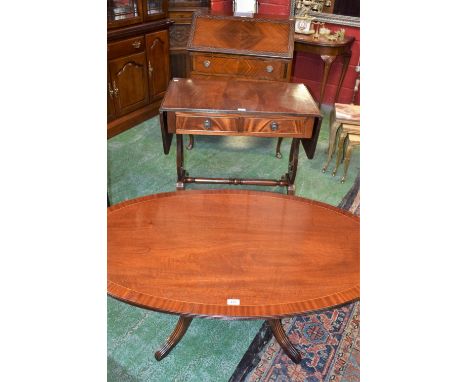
[331, 139]
[191, 142]
[346, 58]
[339, 155]
[327, 62]
[283, 340]
[349, 150]
[278, 148]
[180, 163]
[174, 338]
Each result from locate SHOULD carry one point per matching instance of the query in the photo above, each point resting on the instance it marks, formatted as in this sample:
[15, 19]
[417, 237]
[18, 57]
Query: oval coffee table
[232, 255]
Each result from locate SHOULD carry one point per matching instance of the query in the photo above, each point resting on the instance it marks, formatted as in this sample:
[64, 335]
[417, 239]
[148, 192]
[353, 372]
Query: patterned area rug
[328, 341]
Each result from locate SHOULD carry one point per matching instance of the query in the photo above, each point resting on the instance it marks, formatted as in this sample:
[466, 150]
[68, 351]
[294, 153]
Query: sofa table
[229, 106]
[232, 254]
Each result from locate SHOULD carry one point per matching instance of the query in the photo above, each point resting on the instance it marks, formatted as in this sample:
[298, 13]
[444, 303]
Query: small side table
[328, 52]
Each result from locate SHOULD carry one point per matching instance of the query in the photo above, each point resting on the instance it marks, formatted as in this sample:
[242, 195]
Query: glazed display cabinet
[138, 69]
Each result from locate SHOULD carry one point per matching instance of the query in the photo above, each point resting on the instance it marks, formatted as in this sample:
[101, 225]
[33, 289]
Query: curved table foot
[278, 148]
[174, 338]
[283, 340]
[191, 142]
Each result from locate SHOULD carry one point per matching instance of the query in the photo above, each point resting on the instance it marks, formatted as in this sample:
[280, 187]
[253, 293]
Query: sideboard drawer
[275, 127]
[239, 66]
[206, 124]
[125, 47]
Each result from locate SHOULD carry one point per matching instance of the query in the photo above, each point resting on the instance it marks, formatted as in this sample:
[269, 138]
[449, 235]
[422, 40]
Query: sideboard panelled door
[110, 98]
[157, 50]
[130, 83]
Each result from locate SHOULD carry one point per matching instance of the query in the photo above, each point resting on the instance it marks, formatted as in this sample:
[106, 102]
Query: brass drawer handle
[116, 89]
[206, 63]
[207, 124]
[150, 68]
[136, 44]
[274, 126]
[111, 92]
[269, 68]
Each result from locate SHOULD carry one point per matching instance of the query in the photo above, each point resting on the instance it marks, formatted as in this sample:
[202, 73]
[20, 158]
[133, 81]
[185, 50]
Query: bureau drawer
[205, 124]
[261, 69]
[277, 127]
[125, 47]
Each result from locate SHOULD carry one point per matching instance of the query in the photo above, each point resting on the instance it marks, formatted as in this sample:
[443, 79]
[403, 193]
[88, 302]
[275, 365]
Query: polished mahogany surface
[234, 95]
[322, 41]
[269, 36]
[190, 252]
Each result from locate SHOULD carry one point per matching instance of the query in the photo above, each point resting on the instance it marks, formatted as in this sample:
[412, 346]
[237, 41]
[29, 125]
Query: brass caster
[342, 180]
[324, 170]
[279, 155]
[333, 173]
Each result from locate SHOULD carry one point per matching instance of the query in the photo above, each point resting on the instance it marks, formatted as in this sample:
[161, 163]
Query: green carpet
[137, 166]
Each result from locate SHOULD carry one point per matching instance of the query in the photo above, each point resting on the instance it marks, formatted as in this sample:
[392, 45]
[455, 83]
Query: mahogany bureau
[258, 48]
[228, 106]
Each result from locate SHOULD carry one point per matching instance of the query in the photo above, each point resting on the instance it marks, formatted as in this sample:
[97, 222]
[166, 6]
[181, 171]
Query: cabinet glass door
[123, 12]
[155, 9]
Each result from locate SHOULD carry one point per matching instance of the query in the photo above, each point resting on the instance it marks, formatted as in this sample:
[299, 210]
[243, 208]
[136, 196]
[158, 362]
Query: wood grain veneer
[194, 124]
[240, 66]
[229, 94]
[297, 127]
[188, 252]
[258, 36]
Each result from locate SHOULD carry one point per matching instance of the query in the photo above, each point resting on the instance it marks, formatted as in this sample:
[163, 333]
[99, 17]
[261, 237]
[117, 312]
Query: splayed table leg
[278, 148]
[191, 142]
[174, 338]
[284, 341]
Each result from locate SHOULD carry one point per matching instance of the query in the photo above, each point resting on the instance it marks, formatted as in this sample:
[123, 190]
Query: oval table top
[232, 254]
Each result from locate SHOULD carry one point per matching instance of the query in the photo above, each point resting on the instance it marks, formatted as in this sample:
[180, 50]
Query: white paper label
[241, 109]
[233, 301]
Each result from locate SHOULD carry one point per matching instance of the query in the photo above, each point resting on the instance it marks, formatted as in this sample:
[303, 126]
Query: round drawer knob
[206, 63]
[274, 126]
[269, 68]
[207, 124]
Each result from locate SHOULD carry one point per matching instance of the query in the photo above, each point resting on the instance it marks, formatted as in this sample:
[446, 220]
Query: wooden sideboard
[181, 12]
[138, 69]
[258, 48]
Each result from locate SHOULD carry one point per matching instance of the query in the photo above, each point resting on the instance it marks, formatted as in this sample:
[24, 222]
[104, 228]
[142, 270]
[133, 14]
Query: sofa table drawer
[276, 127]
[206, 124]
